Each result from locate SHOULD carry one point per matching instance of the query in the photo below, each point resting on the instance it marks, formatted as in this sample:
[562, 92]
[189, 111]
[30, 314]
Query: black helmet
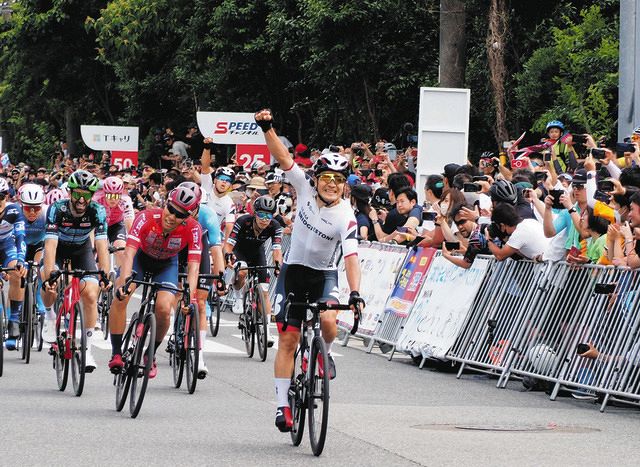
[381, 199]
[265, 203]
[362, 192]
[503, 191]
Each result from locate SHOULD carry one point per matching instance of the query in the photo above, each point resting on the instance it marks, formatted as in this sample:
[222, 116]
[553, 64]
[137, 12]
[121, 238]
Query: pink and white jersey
[122, 211]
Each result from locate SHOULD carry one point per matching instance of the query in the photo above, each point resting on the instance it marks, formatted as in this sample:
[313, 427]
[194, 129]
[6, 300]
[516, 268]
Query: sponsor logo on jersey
[174, 243]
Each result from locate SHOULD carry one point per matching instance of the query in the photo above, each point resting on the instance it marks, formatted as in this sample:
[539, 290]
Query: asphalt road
[382, 413]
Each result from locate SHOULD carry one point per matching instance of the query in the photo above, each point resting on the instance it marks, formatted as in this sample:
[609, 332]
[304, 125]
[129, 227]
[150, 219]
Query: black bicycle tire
[27, 323]
[39, 332]
[135, 404]
[60, 364]
[248, 331]
[192, 351]
[123, 379]
[78, 353]
[2, 335]
[297, 395]
[261, 323]
[318, 437]
[214, 319]
[110, 294]
[176, 358]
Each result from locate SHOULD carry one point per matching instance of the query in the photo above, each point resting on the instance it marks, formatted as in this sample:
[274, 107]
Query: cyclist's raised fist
[264, 119]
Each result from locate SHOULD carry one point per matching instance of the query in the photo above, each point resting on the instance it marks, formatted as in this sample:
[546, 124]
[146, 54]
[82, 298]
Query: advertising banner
[110, 138]
[412, 275]
[124, 159]
[441, 308]
[230, 127]
[380, 265]
[247, 154]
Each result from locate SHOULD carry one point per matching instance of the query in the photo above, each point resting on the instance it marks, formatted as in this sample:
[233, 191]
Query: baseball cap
[579, 178]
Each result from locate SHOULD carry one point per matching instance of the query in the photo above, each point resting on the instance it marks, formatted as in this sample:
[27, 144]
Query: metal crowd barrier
[505, 300]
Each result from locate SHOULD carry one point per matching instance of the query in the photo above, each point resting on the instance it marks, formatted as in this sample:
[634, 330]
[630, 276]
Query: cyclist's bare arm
[352, 268]
[102, 248]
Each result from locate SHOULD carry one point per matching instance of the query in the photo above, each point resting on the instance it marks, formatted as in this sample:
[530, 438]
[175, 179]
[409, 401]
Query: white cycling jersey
[224, 206]
[319, 233]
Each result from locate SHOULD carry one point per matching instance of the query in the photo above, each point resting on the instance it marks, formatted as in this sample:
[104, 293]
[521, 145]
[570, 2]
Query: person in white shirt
[525, 237]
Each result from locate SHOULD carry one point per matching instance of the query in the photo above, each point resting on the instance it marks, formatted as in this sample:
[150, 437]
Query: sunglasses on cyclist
[112, 195]
[32, 208]
[176, 212]
[328, 177]
[223, 178]
[265, 216]
[76, 195]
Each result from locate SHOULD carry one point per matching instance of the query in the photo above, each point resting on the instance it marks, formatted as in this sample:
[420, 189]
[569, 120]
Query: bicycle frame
[71, 296]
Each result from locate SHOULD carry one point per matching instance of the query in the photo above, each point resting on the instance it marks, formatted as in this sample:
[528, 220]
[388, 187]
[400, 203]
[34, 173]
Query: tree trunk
[496, 40]
[453, 44]
[72, 131]
[370, 111]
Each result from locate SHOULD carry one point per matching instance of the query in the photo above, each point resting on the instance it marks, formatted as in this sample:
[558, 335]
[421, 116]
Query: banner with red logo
[124, 159]
[247, 154]
[409, 282]
[230, 127]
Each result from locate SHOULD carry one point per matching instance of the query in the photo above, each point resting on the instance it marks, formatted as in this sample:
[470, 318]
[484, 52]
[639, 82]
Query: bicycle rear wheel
[26, 328]
[318, 396]
[60, 364]
[248, 331]
[297, 397]
[192, 349]
[78, 351]
[38, 332]
[142, 365]
[176, 349]
[214, 319]
[122, 380]
[104, 317]
[261, 323]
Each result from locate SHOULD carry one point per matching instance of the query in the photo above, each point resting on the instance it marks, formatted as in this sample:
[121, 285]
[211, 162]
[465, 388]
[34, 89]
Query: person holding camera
[474, 242]
[523, 237]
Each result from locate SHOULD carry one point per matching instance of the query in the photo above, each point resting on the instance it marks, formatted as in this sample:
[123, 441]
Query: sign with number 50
[124, 159]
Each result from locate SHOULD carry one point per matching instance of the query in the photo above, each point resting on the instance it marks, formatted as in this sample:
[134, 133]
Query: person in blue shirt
[12, 254]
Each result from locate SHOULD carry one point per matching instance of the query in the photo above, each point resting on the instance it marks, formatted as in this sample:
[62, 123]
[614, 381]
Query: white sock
[203, 337]
[328, 346]
[49, 313]
[89, 333]
[282, 391]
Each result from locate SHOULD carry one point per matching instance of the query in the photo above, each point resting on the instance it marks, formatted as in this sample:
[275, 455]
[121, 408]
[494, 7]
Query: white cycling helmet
[31, 194]
[4, 186]
[332, 162]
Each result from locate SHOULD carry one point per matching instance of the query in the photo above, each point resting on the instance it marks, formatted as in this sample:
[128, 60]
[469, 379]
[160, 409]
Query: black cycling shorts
[306, 284]
[33, 249]
[117, 231]
[205, 263]
[256, 259]
[81, 256]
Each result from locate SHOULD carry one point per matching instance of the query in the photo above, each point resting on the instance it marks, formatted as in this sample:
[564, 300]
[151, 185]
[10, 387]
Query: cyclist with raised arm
[246, 242]
[32, 200]
[153, 244]
[217, 189]
[12, 254]
[119, 209]
[69, 225]
[211, 248]
[324, 224]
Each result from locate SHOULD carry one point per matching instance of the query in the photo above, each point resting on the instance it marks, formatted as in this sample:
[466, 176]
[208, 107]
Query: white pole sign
[230, 127]
[110, 138]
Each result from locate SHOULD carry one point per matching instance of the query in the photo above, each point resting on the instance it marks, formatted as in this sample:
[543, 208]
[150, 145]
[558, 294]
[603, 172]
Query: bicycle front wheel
[104, 318]
[38, 332]
[78, 350]
[248, 330]
[122, 380]
[261, 323]
[214, 319]
[26, 328]
[176, 350]
[1, 338]
[142, 362]
[192, 349]
[318, 396]
[60, 364]
[297, 396]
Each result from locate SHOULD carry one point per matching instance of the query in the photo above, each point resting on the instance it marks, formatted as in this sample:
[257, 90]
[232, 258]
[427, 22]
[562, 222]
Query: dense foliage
[332, 70]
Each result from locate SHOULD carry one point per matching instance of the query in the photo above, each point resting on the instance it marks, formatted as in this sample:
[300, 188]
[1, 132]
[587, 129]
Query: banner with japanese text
[110, 138]
[230, 127]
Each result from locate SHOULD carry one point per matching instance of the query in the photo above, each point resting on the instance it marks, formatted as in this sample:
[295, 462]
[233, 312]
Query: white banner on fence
[110, 138]
[230, 127]
[380, 265]
[441, 308]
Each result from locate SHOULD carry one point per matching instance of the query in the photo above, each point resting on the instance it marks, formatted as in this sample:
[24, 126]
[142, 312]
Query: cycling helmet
[332, 162]
[487, 155]
[83, 180]
[503, 191]
[284, 204]
[265, 203]
[31, 194]
[257, 165]
[54, 195]
[272, 177]
[362, 192]
[184, 198]
[113, 185]
[555, 124]
[195, 189]
[227, 172]
[4, 186]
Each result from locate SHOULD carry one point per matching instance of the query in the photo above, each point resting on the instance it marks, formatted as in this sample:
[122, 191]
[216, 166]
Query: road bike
[253, 321]
[70, 346]
[309, 387]
[138, 346]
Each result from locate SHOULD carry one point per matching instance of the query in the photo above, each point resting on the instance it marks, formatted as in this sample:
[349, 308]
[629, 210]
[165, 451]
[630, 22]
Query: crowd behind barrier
[515, 320]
